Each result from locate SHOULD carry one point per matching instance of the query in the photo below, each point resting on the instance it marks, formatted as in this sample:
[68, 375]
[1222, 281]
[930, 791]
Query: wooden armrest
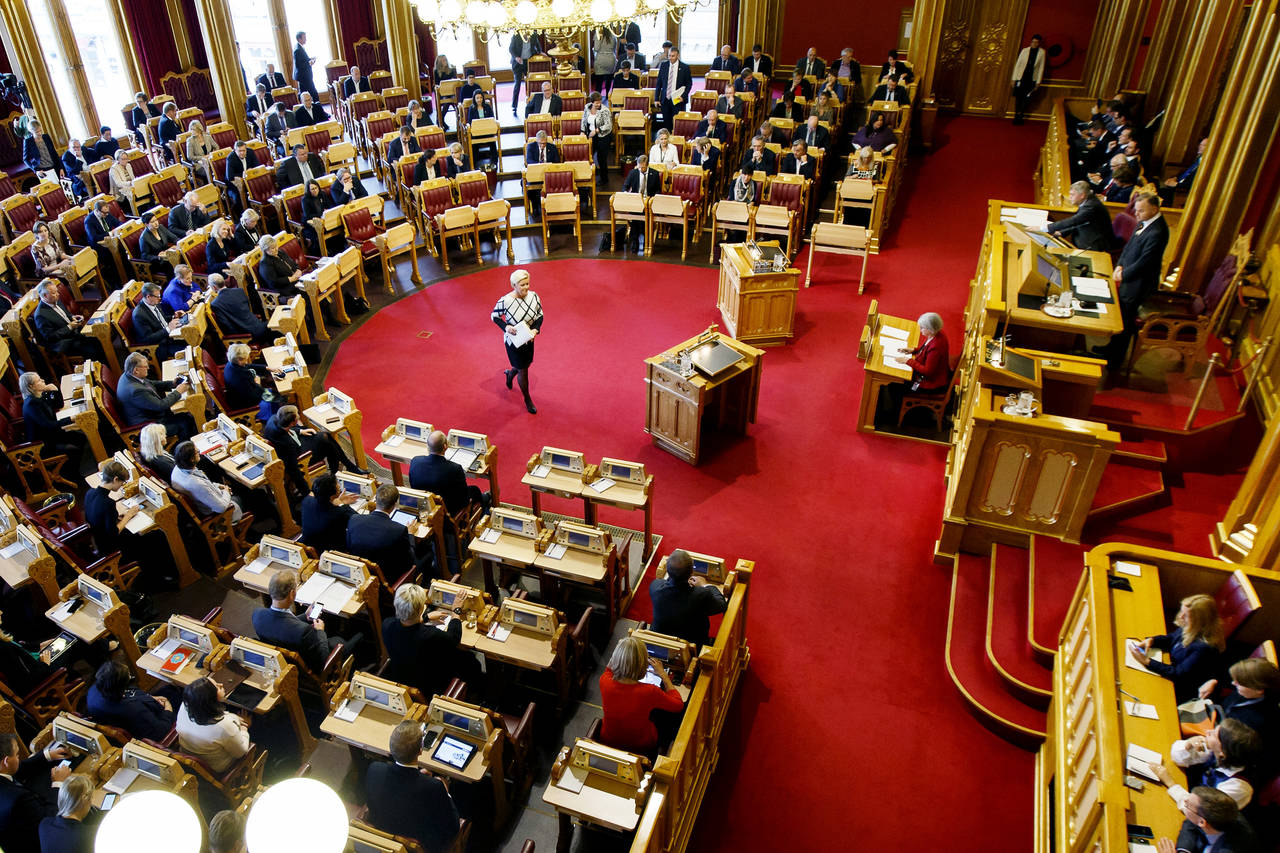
[580, 630]
[213, 615]
[525, 726]
[593, 730]
[456, 577]
[411, 575]
[527, 847]
[56, 679]
[334, 660]
[457, 689]
[382, 667]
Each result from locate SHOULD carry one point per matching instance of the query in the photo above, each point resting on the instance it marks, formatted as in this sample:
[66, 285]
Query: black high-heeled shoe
[528, 404]
[511, 375]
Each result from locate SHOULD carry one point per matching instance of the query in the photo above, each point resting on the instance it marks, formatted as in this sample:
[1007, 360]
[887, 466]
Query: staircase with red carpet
[1133, 481]
[985, 690]
[1008, 647]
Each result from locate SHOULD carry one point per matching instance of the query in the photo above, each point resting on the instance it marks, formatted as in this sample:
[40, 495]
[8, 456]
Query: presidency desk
[882, 335]
[684, 412]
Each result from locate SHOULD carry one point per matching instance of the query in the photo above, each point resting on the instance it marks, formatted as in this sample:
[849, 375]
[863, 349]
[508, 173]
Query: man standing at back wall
[303, 73]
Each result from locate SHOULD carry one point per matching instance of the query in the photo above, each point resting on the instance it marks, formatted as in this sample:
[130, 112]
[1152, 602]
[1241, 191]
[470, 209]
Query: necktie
[61, 313]
[671, 81]
[306, 171]
[155, 309]
[262, 105]
[295, 438]
[809, 141]
[542, 154]
[808, 68]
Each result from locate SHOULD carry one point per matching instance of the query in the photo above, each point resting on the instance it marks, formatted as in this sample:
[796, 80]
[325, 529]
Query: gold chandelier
[557, 19]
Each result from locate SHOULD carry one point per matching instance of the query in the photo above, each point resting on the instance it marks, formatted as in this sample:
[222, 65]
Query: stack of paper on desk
[891, 359]
[12, 550]
[1027, 217]
[139, 523]
[461, 456]
[1137, 758]
[1087, 287]
[330, 593]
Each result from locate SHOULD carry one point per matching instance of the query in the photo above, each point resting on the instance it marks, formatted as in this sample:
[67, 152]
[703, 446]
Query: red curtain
[198, 56]
[156, 51]
[355, 22]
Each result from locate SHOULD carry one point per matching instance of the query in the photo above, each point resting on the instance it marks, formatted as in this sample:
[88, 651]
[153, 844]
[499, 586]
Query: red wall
[1067, 26]
[871, 30]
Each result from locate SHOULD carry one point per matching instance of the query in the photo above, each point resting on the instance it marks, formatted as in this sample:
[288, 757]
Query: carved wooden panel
[954, 51]
[998, 29]
[1004, 480]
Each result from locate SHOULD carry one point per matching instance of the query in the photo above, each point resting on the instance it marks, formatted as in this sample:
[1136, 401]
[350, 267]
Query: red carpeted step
[1056, 567]
[1007, 647]
[967, 662]
[1128, 487]
[1142, 452]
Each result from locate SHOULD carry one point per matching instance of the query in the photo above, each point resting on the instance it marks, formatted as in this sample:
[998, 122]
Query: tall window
[56, 60]
[499, 56]
[698, 31]
[103, 58]
[653, 32]
[255, 38]
[458, 48]
[312, 18]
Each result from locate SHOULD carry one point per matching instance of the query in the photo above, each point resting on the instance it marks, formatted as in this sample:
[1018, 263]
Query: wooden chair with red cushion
[292, 246]
[537, 122]
[689, 182]
[361, 231]
[703, 100]
[433, 197]
[575, 147]
[71, 225]
[431, 137]
[573, 101]
[20, 214]
[191, 249]
[224, 135]
[52, 199]
[167, 191]
[402, 190]
[247, 416]
[259, 189]
[1237, 600]
[395, 97]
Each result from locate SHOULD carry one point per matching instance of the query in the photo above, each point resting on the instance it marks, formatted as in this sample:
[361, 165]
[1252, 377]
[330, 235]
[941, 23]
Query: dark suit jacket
[396, 149]
[31, 154]
[442, 477]
[905, 75]
[1089, 227]
[733, 65]
[306, 118]
[817, 69]
[234, 316]
[796, 113]
[341, 197]
[1236, 838]
[820, 136]
[684, 77]
[246, 240]
[805, 87]
[324, 527]
[639, 64]
[452, 167]
[64, 835]
[216, 257]
[242, 391]
[252, 107]
[653, 182]
[768, 161]
[146, 328]
[72, 167]
[382, 540]
[788, 166]
[53, 331]
[94, 230]
[103, 518]
[302, 70]
[289, 173]
[275, 271]
[536, 105]
[290, 631]
[237, 167]
[685, 611]
[900, 94]
[763, 65]
[474, 112]
[620, 82]
[737, 110]
[140, 117]
[103, 149]
[40, 418]
[1141, 259]
[313, 207]
[720, 132]
[168, 130]
[271, 81]
[182, 221]
[404, 801]
[709, 163]
[22, 807]
[152, 245]
[278, 124]
[140, 399]
[137, 712]
[531, 153]
[349, 86]
[421, 655]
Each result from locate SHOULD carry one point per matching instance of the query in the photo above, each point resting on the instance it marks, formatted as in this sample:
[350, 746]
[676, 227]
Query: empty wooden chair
[774, 219]
[666, 209]
[727, 216]
[838, 240]
[628, 208]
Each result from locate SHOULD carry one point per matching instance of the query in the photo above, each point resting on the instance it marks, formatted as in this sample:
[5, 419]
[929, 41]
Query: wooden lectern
[684, 405]
[758, 308]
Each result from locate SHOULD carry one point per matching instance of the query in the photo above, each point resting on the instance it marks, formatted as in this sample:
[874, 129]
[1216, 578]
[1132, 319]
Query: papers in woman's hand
[1137, 759]
[522, 334]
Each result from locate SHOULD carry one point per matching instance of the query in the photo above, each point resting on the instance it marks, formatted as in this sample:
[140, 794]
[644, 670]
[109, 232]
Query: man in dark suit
[1182, 182]
[303, 166]
[405, 143]
[428, 166]
[759, 63]
[38, 151]
[277, 126]
[56, 328]
[647, 182]
[141, 403]
[257, 104]
[97, 227]
[105, 148]
[379, 538]
[541, 151]
[346, 188]
[890, 91]
[153, 321]
[674, 82]
[167, 131]
[684, 603]
[758, 158]
[747, 82]
[308, 113]
[280, 626]
[74, 161]
[1137, 272]
[545, 101]
[303, 73]
[357, 82]
[326, 512]
[469, 87]
[730, 104]
[786, 107]
[521, 50]
[712, 126]
[271, 78]
[1090, 226]
[239, 161]
[188, 216]
[811, 65]
[404, 800]
[291, 441]
[635, 57]
[813, 134]
[798, 161]
[25, 795]
[230, 306]
[1213, 825]
[893, 68]
[726, 61]
[436, 474]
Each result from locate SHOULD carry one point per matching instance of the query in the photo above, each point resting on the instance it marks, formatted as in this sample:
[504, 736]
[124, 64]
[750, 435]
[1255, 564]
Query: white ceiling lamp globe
[526, 12]
[477, 14]
[150, 822]
[497, 16]
[601, 11]
[428, 9]
[562, 9]
[273, 824]
[625, 8]
[450, 11]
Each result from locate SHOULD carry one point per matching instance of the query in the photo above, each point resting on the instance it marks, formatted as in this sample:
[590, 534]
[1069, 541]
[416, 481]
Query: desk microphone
[1125, 692]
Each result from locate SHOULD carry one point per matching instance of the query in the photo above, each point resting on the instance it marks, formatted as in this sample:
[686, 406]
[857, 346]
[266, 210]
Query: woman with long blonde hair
[1194, 647]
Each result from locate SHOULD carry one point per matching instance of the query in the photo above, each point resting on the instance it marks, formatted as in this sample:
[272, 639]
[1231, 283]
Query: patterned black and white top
[512, 310]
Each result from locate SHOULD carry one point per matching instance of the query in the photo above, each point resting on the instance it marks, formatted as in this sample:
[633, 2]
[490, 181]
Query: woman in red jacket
[929, 362]
[628, 701]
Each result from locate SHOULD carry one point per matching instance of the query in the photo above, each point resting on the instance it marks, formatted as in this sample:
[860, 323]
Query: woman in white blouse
[517, 314]
[121, 178]
[207, 731]
[663, 154]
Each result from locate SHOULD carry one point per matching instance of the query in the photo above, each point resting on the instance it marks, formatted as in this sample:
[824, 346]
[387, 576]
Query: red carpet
[847, 712]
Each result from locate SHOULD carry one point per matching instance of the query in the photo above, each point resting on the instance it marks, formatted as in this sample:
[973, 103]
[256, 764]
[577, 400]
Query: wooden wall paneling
[1194, 95]
[1115, 43]
[178, 25]
[402, 45]
[927, 20]
[997, 31]
[1167, 42]
[761, 23]
[224, 61]
[955, 48]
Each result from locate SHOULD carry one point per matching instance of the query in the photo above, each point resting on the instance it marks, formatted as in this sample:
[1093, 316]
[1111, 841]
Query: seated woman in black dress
[155, 455]
[314, 203]
[325, 513]
[1194, 647]
[221, 248]
[426, 654]
[243, 381]
[115, 700]
[40, 404]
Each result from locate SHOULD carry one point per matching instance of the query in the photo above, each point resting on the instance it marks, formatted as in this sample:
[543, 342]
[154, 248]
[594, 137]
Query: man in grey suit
[1137, 272]
[141, 403]
[1090, 226]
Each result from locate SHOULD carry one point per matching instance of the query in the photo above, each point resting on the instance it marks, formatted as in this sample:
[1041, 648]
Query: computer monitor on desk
[621, 471]
[596, 758]
[152, 493]
[229, 429]
[7, 521]
[342, 404]
[581, 537]
[279, 550]
[30, 542]
[676, 654]
[94, 591]
[527, 616]
[347, 569]
[1042, 273]
[413, 430]
[462, 717]
[711, 569]
[565, 461]
[380, 693]
[185, 630]
[78, 736]
[411, 505]
[463, 600]
[354, 484]
[476, 442]
[263, 661]
[151, 763]
[515, 523]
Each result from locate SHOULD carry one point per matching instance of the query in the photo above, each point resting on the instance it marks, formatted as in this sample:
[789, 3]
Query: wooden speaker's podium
[692, 397]
[756, 307]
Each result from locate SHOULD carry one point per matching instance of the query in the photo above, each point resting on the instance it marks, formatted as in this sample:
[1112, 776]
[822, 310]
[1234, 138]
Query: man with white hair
[140, 400]
[188, 216]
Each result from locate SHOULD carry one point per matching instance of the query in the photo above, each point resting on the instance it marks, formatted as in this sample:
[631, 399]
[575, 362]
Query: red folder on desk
[178, 660]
